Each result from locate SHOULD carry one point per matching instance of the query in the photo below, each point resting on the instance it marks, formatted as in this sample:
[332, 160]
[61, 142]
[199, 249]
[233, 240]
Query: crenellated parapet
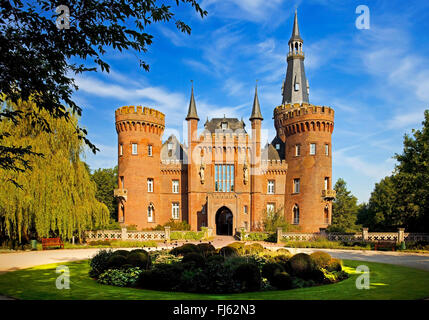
[131, 118]
[276, 167]
[296, 118]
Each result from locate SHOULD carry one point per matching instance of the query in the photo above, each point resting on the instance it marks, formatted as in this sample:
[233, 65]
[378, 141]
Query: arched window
[295, 214]
[326, 214]
[150, 213]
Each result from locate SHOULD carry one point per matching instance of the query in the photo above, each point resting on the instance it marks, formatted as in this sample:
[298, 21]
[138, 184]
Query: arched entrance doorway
[224, 222]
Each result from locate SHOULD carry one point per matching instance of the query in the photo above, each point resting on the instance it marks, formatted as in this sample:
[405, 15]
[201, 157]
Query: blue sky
[377, 80]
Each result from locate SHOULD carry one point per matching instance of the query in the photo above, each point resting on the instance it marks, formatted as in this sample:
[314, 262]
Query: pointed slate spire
[295, 30]
[256, 111]
[192, 110]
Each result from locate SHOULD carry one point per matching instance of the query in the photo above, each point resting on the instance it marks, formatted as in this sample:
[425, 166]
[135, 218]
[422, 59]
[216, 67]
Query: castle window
[246, 226]
[175, 186]
[134, 148]
[175, 210]
[326, 183]
[224, 177]
[326, 214]
[295, 214]
[270, 187]
[277, 146]
[326, 149]
[296, 186]
[149, 150]
[312, 148]
[270, 208]
[122, 182]
[297, 150]
[121, 150]
[150, 213]
[149, 185]
[224, 125]
[245, 210]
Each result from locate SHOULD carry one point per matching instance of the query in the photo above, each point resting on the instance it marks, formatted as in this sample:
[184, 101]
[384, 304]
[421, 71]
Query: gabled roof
[233, 125]
[177, 151]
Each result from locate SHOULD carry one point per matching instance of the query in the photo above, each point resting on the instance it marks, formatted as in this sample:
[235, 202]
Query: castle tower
[193, 164]
[255, 165]
[306, 130]
[139, 145]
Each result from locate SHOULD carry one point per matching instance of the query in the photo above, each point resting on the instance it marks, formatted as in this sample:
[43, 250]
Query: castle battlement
[131, 118]
[287, 111]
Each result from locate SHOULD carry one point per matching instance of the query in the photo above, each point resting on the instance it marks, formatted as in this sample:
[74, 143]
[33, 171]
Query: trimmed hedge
[228, 252]
[301, 265]
[185, 249]
[270, 269]
[321, 259]
[249, 276]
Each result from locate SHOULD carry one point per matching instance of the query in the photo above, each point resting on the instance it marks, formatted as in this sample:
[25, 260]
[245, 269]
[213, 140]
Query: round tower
[306, 130]
[139, 147]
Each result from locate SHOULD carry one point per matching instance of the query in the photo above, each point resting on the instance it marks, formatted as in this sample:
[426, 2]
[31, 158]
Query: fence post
[279, 235]
[124, 234]
[364, 234]
[167, 233]
[401, 236]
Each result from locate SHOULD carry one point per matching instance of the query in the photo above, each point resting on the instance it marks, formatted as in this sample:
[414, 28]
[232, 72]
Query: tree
[58, 196]
[106, 181]
[380, 214]
[39, 61]
[344, 209]
[276, 219]
[411, 179]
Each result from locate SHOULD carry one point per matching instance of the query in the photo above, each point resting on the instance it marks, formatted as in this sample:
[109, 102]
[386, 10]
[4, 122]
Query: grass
[387, 282]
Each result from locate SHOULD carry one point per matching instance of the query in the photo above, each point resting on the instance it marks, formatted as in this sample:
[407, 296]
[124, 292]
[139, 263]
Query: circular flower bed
[201, 268]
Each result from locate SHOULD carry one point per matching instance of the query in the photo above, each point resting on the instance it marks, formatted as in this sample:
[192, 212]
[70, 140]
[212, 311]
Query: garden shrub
[121, 278]
[216, 259]
[189, 235]
[217, 278]
[184, 249]
[99, 263]
[161, 277]
[283, 251]
[116, 261]
[249, 276]
[123, 253]
[228, 251]
[237, 245]
[270, 269]
[282, 260]
[253, 248]
[206, 249]
[139, 259]
[321, 259]
[194, 260]
[301, 265]
[335, 265]
[281, 280]
[166, 258]
[139, 250]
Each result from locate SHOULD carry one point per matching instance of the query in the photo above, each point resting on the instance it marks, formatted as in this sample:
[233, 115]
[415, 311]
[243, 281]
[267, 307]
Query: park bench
[52, 242]
[390, 245]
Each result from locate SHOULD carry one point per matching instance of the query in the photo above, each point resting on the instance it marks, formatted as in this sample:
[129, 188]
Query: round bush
[116, 262]
[139, 250]
[249, 276]
[139, 259]
[237, 245]
[253, 248]
[321, 259]
[194, 259]
[283, 251]
[161, 277]
[335, 265]
[282, 260]
[184, 249]
[123, 253]
[206, 249]
[100, 263]
[281, 280]
[270, 269]
[301, 265]
[216, 259]
[228, 252]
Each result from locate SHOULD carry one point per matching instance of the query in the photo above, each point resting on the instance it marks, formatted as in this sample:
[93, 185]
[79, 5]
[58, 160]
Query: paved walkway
[22, 260]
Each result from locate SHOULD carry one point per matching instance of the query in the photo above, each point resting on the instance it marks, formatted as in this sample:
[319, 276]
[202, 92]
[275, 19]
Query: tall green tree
[411, 179]
[40, 61]
[57, 197]
[344, 209]
[106, 181]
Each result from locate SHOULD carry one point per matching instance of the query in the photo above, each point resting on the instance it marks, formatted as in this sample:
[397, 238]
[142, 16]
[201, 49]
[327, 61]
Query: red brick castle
[224, 178]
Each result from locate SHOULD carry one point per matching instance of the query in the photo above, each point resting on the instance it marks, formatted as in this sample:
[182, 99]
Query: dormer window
[296, 86]
[170, 146]
[224, 125]
[277, 146]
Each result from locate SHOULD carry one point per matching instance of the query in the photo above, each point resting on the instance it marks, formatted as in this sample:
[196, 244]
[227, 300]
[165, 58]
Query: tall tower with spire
[306, 131]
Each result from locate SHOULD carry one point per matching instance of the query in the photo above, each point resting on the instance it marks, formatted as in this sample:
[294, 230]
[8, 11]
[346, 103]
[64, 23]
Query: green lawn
[387, 282]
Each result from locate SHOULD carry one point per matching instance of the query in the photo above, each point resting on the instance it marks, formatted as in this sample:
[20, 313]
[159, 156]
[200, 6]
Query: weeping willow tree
[56, 197]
